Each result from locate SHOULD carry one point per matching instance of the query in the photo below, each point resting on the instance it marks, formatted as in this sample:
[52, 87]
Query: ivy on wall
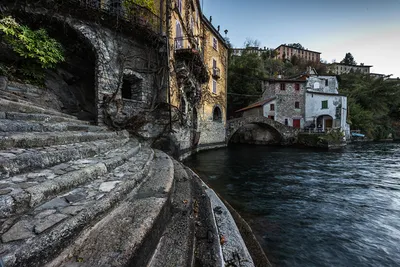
[31, 44]
[130, 4]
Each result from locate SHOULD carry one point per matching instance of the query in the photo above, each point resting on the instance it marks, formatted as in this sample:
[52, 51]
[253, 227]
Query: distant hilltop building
[341, 68]
[255, 49]
[286, 52]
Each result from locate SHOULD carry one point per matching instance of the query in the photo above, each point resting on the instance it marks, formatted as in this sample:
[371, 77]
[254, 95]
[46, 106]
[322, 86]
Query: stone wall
[211, 132]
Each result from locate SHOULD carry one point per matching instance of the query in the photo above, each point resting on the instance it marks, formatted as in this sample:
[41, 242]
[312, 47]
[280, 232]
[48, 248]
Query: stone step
[16, 94]
[234, 249]
[208, 251]
[128, 235]
[22, 192]
[23, 88]
[231, 249]
[39, 118]
[36, 238]
[17, 161]
[176, 246]
[43, 139]
[26, 126]
[7, 105]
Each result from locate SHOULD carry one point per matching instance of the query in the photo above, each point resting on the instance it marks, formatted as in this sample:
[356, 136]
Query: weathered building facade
[287, 52]
[197, 79]
[325, 107]
[288, 104]
[213, 103]
[340, 68]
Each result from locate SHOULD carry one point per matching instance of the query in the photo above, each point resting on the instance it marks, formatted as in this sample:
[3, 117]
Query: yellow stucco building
[198, 72]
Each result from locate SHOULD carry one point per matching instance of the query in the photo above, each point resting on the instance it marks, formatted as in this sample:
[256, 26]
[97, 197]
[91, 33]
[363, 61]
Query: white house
[325, 108]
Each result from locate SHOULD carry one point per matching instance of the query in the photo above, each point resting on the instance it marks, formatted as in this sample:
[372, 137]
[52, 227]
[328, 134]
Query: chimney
[210, 19]
[218, 28]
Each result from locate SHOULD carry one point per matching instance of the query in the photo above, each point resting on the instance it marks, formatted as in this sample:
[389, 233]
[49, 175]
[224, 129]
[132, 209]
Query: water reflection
[314, 208]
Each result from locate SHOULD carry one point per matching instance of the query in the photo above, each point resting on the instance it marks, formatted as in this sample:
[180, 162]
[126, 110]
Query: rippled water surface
[314, 208]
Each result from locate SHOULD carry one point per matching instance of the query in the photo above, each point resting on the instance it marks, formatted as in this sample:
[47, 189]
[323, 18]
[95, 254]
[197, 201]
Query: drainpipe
[167, 13]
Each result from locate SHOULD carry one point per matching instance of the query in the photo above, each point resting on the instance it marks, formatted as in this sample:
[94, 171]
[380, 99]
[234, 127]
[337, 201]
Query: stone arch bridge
[288, 134]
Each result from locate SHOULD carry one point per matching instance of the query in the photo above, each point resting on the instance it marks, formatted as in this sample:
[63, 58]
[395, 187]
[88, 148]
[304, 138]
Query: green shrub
[30, 44]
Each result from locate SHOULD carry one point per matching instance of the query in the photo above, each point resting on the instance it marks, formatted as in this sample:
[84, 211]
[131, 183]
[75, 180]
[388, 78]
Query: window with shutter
[214, 88]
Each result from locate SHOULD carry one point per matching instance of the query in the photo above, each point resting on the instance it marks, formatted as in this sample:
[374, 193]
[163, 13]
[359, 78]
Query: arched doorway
[72, 81]
[324, 123]
[217, 114]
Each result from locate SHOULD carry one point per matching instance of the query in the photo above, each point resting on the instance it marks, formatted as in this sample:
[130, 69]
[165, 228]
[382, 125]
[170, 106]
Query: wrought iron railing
[131, 13]
[216, 72]
[183, 43]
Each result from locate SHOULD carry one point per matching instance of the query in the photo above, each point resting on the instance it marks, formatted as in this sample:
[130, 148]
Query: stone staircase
[75, 194]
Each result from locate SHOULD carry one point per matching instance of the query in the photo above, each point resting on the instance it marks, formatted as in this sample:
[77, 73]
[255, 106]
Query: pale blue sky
[369, 29]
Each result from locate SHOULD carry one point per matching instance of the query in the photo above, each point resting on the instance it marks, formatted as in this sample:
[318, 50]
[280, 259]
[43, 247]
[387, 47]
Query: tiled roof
[257, 104]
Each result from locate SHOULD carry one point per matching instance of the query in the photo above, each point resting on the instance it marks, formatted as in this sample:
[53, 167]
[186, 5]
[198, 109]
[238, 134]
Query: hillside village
[314, 99]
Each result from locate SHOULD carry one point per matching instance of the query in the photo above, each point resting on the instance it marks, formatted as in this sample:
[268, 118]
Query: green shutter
[325, 104]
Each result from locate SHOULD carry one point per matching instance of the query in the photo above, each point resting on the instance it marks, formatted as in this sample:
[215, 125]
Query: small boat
[359, 135]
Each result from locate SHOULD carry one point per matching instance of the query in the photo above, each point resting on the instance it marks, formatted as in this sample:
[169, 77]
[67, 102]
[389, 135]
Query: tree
[29, 44]
[348, 60]
[296, 45]
[244, 86]
[373, 103]
[250, 43]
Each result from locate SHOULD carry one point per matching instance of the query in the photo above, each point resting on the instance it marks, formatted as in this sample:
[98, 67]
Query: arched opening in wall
[217, 114]
[324, 123]
[72, 82]
[132, 86]
[256, 133]
[126, 89]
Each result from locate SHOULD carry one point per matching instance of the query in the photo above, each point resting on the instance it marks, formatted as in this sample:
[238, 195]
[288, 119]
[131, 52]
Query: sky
[368, 29]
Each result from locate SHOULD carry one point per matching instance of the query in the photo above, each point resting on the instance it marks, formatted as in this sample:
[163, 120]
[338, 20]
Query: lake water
[313, 207]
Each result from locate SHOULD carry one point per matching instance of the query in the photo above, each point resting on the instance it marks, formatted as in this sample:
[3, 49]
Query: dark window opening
[126, 89]
[286, 122]
[271, 117]
[326, 82]
[272, 107]
[297, 86]
[283, 86]
[296, 104]
[217, 114]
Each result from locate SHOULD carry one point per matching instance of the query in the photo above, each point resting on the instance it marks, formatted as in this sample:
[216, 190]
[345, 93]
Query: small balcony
[188, 45]
[216, 73]
[187, 49]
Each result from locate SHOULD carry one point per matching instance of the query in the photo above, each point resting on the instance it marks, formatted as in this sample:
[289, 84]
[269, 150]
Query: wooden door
[328, 124]
[296, 123]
